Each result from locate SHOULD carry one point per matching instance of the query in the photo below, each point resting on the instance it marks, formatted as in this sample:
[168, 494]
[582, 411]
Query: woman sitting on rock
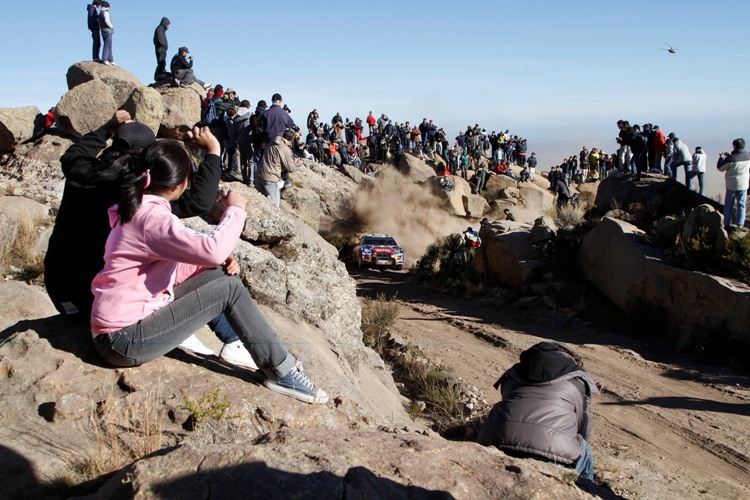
[546, 409]
[162, 281]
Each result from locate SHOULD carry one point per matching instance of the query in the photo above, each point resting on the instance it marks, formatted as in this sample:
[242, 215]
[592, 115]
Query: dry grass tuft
[570, 215]
[18, 240]
[378, 317]
[124, 431]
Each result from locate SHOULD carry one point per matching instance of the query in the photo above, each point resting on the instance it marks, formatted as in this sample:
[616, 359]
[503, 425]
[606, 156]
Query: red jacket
[371, 121]
[660, 142]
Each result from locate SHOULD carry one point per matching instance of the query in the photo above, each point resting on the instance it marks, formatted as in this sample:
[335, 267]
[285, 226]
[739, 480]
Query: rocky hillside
[74, 426]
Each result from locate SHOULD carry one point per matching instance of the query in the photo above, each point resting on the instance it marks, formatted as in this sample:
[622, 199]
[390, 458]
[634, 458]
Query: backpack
[210, 115]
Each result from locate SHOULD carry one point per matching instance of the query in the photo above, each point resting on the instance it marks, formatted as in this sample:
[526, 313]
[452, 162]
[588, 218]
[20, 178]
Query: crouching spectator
[545, 410]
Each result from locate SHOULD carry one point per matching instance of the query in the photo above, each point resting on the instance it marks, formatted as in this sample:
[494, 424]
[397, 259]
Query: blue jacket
[274, 122]
[93, 17]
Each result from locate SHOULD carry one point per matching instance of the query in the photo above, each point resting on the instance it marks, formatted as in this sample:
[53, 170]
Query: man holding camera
[182, 69]
[736, 168]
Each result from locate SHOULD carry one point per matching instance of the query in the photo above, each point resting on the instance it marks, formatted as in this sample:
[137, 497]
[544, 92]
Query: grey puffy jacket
[548, 417]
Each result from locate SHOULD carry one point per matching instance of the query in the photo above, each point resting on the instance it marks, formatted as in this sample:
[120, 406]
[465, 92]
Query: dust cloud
[409, 212]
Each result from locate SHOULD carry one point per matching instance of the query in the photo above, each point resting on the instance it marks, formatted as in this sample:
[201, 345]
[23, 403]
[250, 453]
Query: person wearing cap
[230, 97]
[681, 157]
[274, 121]
[736, 168]
[182, 69]
[660, 148]
[93, 23]
[161, 45]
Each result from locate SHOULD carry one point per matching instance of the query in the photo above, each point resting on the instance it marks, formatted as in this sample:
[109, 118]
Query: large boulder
[454, 199]
[690, 306]
[47, 149]
[587, 192]
[649, 199]
[86, 107]
[706, 224]
[509, 255]
[182, 109]
[475, 206]
[414, 168]
[544, 229]
[534, 197]
[305, 203]
[496, 186]
[120, 82]
[316, 463]
[145, 105]
[16, 125]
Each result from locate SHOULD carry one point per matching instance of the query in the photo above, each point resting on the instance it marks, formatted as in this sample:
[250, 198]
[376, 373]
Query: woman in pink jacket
[162, 281]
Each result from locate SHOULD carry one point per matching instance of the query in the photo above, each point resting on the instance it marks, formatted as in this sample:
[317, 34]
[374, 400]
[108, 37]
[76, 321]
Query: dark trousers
[161, 62]
[97, 47]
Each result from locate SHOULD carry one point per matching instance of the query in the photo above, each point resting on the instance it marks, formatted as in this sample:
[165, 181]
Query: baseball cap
[276, 97]
[183, 49]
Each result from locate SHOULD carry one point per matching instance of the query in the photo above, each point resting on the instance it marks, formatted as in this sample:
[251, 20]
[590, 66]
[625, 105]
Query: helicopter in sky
[671, 49]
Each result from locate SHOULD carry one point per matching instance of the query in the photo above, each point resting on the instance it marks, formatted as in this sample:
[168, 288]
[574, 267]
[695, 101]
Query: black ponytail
[160, 166]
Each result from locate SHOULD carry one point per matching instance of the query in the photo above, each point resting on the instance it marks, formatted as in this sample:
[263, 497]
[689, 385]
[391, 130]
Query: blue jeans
[221, 327]
[675, 165]
[585, 465]
[729, 200]
[699, 175]
[107, 47]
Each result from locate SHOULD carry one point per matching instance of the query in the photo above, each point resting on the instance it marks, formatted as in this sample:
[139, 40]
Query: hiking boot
[193, 344]
[297, 385]
[236, 354]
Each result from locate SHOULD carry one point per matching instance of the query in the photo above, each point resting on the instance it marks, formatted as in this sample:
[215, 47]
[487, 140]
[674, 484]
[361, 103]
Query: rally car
[378, 250]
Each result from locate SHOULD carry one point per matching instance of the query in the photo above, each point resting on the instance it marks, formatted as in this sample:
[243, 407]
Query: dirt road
[665, 425]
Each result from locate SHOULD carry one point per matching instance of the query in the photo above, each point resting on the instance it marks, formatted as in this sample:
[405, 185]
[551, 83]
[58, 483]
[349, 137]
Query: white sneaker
[193, 344]
[208, 86]
[236, 354]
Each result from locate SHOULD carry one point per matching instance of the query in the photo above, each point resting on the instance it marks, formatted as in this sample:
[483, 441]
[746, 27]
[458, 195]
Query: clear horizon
[558, 74]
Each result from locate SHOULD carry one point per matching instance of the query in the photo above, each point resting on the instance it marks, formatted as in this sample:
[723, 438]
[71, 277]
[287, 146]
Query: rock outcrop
[414, 169]
[16, 125]
[85, 107]
[309, 464]
[120, 82]
[509, 255]
[688, 305]
[182, 110]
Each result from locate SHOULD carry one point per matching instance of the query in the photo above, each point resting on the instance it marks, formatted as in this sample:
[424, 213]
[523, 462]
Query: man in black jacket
[161, 46]
[182, 69]
[93, 24]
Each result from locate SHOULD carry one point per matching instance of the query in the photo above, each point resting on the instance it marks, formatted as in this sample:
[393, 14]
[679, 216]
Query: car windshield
[381, 241]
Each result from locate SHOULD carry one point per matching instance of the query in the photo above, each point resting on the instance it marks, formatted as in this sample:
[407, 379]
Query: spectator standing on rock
[274, 121]
[370, 123]
[532, 166]
[737, 178]
[182, 69]
[108, 31]
[93, 23]
[545, 410]
[699, 168]
[681, 157]
[161, 45]
[243, 132]
[660, 148]
[277, 159]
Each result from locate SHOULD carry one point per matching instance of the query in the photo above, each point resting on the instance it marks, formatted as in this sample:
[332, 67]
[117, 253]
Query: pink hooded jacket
[143, 257]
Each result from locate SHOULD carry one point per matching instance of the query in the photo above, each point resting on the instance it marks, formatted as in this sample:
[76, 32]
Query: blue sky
[559, 73]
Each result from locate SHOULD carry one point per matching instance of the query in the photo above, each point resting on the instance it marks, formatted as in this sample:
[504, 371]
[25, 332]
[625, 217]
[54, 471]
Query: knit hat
[133, 136]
